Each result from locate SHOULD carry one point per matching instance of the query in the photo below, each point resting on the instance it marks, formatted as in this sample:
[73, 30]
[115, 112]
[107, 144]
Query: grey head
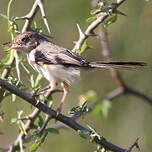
[26, 41]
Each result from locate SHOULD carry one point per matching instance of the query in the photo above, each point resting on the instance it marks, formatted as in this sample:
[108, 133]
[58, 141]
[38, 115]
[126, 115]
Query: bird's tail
[116, 64]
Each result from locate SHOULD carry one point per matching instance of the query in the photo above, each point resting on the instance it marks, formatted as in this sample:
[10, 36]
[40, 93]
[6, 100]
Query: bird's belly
[59, 73]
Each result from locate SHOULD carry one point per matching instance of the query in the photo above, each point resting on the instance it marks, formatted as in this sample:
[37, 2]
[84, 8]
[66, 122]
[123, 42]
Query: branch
[62, 118]
[123, 87]
[29, 17]
[95, 24]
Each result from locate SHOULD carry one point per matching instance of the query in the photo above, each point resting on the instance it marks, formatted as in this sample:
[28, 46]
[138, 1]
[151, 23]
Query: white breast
[57, 73]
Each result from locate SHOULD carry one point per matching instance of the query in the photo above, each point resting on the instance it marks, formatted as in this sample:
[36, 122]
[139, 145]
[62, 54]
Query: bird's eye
[24, 39]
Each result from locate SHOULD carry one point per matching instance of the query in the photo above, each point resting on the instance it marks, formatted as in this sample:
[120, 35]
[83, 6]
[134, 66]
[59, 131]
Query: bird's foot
[41, 92]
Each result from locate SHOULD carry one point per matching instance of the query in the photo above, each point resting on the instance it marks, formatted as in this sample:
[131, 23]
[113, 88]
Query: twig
[29, 17]
[46, 121]
[62, 118]
[133, 145]
[123, 87]
[94, 25]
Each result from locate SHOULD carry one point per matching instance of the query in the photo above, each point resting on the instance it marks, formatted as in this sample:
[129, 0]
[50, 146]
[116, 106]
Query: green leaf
[29, 138]
[22, 126]
[95, 11]
[13, 120]
[138, 147]
[13, 97]
[91, 96]
[40, 140]
[20, 112]
[25, 68]
[74, 110]
[83, 48]
[110, 20]
[52, 130]
[97, 110]
[32, 81]
[3, 61]
[37, 81]
[106, 105]
[91, 19]
[40, 121]
[102, 108]
[83, 134]
[34, 147]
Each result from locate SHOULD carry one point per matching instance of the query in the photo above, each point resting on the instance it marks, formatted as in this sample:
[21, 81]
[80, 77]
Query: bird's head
[26, 41]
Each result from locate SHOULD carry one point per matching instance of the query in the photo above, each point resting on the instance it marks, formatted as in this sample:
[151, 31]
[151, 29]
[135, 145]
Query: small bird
[58, 64]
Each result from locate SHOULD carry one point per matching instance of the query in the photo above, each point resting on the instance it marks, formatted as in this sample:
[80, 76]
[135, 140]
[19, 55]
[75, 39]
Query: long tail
[116, 64]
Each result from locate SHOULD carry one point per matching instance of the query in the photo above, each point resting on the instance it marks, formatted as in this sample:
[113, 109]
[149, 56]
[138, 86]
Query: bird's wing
[52, 54]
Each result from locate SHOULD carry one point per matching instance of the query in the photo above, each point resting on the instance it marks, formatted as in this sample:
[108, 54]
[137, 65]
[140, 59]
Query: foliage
[37, 137]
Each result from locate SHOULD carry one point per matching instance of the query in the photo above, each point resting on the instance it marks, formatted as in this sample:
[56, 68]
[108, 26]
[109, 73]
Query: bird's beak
[14, 45]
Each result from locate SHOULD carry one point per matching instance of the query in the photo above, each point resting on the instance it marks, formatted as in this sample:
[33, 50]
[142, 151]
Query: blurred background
[130, 39]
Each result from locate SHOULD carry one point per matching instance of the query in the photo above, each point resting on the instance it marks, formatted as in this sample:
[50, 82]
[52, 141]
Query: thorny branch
[29, 18]
[68, 121]
[123, 87]
[90, 30]
[62, 118]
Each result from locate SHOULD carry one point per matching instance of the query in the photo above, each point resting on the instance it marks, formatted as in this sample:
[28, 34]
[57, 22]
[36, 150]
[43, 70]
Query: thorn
[120, 13]
[80, 31]
[41, 6]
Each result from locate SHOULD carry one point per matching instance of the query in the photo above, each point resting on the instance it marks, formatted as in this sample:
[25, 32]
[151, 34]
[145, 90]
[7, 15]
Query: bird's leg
[53, 85]
[65, 92]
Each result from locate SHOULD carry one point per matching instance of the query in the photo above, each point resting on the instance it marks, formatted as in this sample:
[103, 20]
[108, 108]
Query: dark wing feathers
[52, 54]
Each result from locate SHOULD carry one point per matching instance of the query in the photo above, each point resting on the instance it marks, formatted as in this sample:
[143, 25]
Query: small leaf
[42, 139]
[110, 20]
[32, 81]
[137, 146]
[95, 11]
[84, 134]
[6, 48]
[29, 138]
[22, 126]
[40, 121]
[13, 120]
[74, 110]
[91, 19]
[52, 130]
[97, 110]
[20, 112]
[37, 81]
[13, 97]
[105, 106]
[25, 68]
[91, 96]
[34, 147]
[83, 48]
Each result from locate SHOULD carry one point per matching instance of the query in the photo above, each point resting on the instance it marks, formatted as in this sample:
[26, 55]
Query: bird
[58, 64]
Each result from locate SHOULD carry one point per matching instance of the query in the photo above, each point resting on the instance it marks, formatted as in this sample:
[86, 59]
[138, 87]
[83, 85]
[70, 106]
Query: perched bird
[58, 64]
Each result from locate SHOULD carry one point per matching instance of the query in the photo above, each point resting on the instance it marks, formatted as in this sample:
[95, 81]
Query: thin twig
[123, 87]
[29, 17]
[62, 118]
[95, 24]
[133, 145]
